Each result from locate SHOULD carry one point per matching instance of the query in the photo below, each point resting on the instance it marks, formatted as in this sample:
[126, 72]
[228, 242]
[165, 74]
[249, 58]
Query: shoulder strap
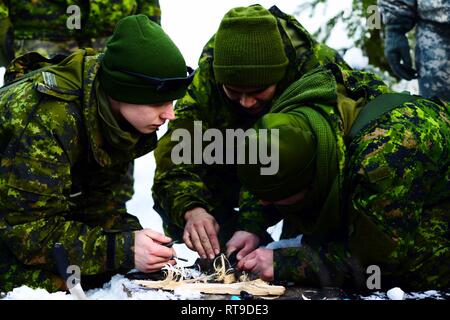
[27, 65]
[376, 108]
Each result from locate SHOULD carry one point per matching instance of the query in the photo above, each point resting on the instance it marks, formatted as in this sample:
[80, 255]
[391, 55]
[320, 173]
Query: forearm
[329, 265]
[87, 247]
[179, 190]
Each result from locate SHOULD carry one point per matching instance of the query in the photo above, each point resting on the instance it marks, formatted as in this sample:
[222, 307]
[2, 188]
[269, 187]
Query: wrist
[192, 212]
[125, 243]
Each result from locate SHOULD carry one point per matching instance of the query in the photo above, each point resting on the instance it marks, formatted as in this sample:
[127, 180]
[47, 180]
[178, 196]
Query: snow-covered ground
[115, 290]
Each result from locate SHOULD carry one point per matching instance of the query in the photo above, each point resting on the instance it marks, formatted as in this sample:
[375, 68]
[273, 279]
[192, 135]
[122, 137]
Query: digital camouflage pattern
[398, 200]
[59, 179]
[42, 24]
[178, 188]
[432, 21]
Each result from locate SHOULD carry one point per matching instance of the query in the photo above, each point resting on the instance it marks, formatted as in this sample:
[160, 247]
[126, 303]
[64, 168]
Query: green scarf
[116, 137]
[317, 89]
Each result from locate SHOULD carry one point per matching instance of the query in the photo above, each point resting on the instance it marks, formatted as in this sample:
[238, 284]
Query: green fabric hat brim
[250, 75]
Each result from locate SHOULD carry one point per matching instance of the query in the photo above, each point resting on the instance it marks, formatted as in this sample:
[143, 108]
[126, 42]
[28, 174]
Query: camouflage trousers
[15, 275]
[433, 60]
[51, 48]
[402, 172]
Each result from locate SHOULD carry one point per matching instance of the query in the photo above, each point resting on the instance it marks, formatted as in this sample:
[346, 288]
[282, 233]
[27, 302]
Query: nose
[247, 101]
[168, 113]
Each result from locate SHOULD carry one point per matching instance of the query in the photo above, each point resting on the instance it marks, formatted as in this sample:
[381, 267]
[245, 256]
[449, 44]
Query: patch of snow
[275, 231]
[356, 58]
[396, 294]
[26, 293]
[375, 296]
[404, 85]
[286, 243]
[430, 294]
[119, 288]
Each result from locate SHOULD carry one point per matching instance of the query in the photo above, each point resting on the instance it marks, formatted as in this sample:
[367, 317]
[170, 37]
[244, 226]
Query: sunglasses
[165, 84]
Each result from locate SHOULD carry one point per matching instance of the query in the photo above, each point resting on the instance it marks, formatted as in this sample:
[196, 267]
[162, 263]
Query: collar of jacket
[72, 80]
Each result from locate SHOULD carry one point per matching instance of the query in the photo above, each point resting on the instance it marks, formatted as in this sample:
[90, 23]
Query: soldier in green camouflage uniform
[381, 198]
[68, 134]
[215, 188]
[42, 25]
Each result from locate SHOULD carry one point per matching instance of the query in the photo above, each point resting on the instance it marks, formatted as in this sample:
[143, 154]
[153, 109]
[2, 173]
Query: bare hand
[243, 241]
[200, 233]
[149, 254]
[259, 262]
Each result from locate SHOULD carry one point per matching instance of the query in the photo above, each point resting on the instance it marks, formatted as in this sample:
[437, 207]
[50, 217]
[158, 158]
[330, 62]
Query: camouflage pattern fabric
[400, 205]
[178, 188]
[355, 88]
[59, 179]
[432, 21]
[49, 48]
[42, 25]
[398, 200]
[45, 48]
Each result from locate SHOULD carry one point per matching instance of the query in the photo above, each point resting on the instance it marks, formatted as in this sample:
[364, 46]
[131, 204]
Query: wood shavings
[221, 281]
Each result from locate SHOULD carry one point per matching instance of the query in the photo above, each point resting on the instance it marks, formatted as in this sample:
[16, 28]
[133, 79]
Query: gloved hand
[397, 53]
[6, 42]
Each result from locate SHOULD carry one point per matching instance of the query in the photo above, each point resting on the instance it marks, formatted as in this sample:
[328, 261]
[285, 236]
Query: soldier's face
[146, 118]
[295, 199]
[253, 99]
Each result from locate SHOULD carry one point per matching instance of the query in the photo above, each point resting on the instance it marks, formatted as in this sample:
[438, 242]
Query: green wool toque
[140, 46]
[297, 153]
[248, 49]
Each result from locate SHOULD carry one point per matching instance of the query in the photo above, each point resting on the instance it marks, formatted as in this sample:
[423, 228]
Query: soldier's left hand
[259, 262]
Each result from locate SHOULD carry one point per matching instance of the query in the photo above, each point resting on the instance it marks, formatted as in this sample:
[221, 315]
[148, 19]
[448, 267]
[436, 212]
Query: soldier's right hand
[200, 233]
[243, 242]
[149, 254]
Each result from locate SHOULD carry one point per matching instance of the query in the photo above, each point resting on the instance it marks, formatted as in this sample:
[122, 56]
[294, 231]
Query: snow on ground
[430, 294]
[113, 290]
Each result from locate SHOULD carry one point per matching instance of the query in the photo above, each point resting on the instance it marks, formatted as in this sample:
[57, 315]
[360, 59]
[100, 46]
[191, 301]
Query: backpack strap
[376, 108]
[27, 65]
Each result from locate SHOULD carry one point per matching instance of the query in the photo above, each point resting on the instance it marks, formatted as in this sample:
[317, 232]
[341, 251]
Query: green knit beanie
[297, 153]
[248, 49]
[139, 48]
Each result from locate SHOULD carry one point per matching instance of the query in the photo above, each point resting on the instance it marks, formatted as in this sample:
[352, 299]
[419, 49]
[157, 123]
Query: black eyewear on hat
[165, 84]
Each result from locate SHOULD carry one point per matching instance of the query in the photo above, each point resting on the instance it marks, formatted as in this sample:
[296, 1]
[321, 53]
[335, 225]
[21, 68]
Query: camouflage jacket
[47, 20]
[59, 179]
[394, 196]
[406, 13]
[178, 188]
